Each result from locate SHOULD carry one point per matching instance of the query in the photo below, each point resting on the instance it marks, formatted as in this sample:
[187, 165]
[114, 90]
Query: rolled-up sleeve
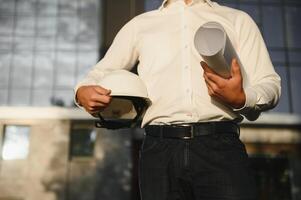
[261, 83]
[122, 54]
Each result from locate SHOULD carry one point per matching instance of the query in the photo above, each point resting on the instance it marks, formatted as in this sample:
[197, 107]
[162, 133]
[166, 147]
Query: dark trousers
[209, 167]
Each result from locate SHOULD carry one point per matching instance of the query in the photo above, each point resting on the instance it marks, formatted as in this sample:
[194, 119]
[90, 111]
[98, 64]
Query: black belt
[190, 130]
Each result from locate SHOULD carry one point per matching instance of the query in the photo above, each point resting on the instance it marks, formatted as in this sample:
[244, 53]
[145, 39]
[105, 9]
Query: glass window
[47, 8]
[277, 57]
[87, 32]
[65, 69]
[82, 142]
[244, 1]
[19, 97]
[293, 1]
[229, 4]
[46, 26]
[26, 7]
[43, 67]
[273, 32]
[21, 69]
[45, 43]
[5, 43]
[86, 61]
[271, 1]
[39, 41]
[283, 105]
[152, 4]
[67, 31]
[5, 59]
[7, 8]
[88, 7]
[42, 97]
[7, 24]
[3, 97]
[293, 25]
[25, 44]
[25, 26]
[15, 142]
[295, 57]
[63, 97]
[252, 10]
[67, 7]
[295, 73]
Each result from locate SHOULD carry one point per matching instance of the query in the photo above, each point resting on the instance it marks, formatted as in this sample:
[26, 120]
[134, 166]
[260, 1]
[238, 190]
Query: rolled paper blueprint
[215, 47]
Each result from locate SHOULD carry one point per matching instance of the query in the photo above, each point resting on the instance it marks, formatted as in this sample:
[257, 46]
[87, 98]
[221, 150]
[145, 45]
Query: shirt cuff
[251, 99]
[75, 91]
[75, 99]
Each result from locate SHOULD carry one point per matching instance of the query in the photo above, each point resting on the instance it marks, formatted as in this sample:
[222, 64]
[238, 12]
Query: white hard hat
[124, 83]
[129, 98]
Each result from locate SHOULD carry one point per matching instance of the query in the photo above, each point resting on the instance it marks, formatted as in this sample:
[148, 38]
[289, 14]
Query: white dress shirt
[162, 42]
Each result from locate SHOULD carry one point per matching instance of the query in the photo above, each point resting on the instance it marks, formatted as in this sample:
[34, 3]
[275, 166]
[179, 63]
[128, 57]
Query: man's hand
[229, 91]
[93, 98]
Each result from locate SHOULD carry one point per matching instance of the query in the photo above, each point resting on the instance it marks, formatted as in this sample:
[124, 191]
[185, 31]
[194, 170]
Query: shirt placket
[186, 66]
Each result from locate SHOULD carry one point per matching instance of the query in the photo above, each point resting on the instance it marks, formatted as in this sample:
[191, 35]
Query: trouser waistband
[191, 130]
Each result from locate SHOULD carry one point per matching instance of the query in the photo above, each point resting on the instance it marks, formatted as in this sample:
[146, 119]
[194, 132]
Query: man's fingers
[98, 103]
[96, 107]
[210, 90]
[95, 104]
[235, 68]
[213, 86]
[96, 111]
[96, 97]
[219, 81]
[213, 93]
[206, 68]
[101, 90]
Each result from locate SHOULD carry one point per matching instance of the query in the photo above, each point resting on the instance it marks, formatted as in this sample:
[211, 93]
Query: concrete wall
[30, 178]
[49, 173]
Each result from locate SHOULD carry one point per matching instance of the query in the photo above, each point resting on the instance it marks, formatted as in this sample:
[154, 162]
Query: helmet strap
[140, 106]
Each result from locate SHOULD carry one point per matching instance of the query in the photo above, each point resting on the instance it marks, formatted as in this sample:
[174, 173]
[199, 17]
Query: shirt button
[188, 91]
[186, 67]
[186, 46]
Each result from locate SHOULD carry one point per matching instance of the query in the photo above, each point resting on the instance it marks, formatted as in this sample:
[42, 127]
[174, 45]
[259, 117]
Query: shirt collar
[163, 5]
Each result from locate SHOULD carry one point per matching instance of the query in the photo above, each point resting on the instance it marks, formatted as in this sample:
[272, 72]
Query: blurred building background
[50, 150]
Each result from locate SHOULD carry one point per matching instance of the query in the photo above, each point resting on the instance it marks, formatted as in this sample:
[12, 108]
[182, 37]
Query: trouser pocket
[149, 143]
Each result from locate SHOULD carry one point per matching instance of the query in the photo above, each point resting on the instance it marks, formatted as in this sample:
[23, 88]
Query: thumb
[102, 90]
[235, 68]
[108, 91]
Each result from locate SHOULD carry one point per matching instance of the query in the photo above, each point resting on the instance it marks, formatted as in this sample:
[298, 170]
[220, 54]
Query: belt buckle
[190, 131]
